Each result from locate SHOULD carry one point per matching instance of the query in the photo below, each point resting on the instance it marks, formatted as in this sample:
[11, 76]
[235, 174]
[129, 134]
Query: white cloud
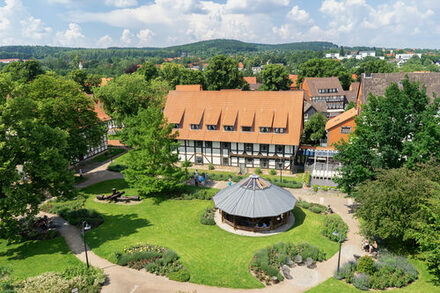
[144, 36]
[105, 41]
[252, 6]
[73, 36]
[58, 1]
[299, 15]
[127, 37]
[18, 26]
[119, 3]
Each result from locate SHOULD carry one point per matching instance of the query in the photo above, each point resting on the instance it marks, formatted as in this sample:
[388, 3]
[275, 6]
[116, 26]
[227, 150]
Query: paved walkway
[123, 279]
[99, 174]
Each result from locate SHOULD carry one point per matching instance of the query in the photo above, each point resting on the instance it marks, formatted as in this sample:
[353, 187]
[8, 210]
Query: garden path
[123, 279]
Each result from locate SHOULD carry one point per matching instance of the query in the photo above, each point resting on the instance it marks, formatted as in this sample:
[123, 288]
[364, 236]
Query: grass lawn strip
[211, 255]
[32, 258]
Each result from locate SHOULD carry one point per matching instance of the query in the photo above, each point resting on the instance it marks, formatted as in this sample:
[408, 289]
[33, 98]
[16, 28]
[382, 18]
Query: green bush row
[314, 207]
[389, 271]
[154, 259]
[334, 223]
[73, 211]
[207, 217]
[116, 167]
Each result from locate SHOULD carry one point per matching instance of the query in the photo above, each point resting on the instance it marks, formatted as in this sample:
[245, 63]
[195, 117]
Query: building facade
[245, 129]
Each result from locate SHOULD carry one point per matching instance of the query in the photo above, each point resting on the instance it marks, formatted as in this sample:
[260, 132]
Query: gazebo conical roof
[254, 197]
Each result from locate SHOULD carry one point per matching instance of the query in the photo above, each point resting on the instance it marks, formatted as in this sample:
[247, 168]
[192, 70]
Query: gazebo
[254, 204]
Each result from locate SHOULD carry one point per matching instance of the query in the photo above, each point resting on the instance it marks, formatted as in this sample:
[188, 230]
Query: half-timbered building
[237, 128]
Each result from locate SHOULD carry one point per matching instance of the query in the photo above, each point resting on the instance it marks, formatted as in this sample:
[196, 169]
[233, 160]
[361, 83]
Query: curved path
[123, 279]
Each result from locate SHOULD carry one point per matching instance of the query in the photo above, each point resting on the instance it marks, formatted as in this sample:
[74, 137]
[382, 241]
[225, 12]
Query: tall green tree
[33, 164]
[275, 78]
[151, 162]
[59, 103]
[375, 66]
[324, 68]
[398, 129]
[223, 73]
[24, 71]
[149, 71]
[175, 74]
[403, 206]
[314, 129]
[123, 96]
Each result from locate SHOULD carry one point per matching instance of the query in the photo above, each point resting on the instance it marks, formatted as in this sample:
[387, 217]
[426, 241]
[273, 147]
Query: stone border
[227, 228]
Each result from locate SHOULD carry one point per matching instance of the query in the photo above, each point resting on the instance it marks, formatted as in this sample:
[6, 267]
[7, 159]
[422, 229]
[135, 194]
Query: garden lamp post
[281, 171]
[85, 227]
[337, 233]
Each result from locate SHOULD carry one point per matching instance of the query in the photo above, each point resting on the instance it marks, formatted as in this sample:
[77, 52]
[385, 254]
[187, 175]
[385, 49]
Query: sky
[162, 23]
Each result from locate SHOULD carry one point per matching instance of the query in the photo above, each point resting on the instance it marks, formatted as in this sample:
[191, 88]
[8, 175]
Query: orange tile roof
[98, 108]
[250, 79]
[105, 80]
[341, 118]
[188, 87]
[239, 108]
[294, 78]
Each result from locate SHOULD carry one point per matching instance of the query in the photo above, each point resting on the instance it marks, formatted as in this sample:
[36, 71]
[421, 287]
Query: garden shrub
[207, 217]
[266, 262]
[314, 207]
[362, 281]
[315, 188]
[258, 171]
[197, 193]
[332, 223]
[117, 167]
[272, 172]
[155, 259]
[366, 265]
[6, 285]
[180, 276]
[236, 178]
[76, 217]
[346, 272]
[210, 166]
[388, 272]
[306, 178]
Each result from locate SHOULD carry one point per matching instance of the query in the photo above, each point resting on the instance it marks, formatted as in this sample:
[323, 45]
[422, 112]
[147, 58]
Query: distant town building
[325, 94]
[403, 58]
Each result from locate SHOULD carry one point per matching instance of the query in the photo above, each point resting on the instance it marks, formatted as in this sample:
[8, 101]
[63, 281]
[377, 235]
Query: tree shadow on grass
[115, 227]
[300, 216]
[36, 247]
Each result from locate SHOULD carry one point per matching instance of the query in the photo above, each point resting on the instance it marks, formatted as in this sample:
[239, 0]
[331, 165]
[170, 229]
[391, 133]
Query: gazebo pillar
[253, 225]
[223, 216]
[271, 223]
[234, 223]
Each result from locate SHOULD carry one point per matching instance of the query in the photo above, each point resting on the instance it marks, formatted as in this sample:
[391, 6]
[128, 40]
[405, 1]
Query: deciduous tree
[314, 129]
[401, 128]
[275, 78]
[151, 162]
[223, 73]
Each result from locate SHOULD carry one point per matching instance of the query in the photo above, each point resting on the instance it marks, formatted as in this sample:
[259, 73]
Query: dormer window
[246, 128]
[177, 125]
[196, 126]
[228, 128]
[212, 127]
[264, 129]
[279, 130]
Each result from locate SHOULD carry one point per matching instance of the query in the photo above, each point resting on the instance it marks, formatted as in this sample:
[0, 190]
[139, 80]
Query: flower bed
[154, 259]
[80, 277]
[268, 263]
[389, 271]
[207, 217]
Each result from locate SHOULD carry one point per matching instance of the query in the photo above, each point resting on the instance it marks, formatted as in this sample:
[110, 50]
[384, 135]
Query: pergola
[254, 204]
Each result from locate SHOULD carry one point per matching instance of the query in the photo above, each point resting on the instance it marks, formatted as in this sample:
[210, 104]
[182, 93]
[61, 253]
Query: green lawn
[213, 256]
[31, 258]
[422, 285]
